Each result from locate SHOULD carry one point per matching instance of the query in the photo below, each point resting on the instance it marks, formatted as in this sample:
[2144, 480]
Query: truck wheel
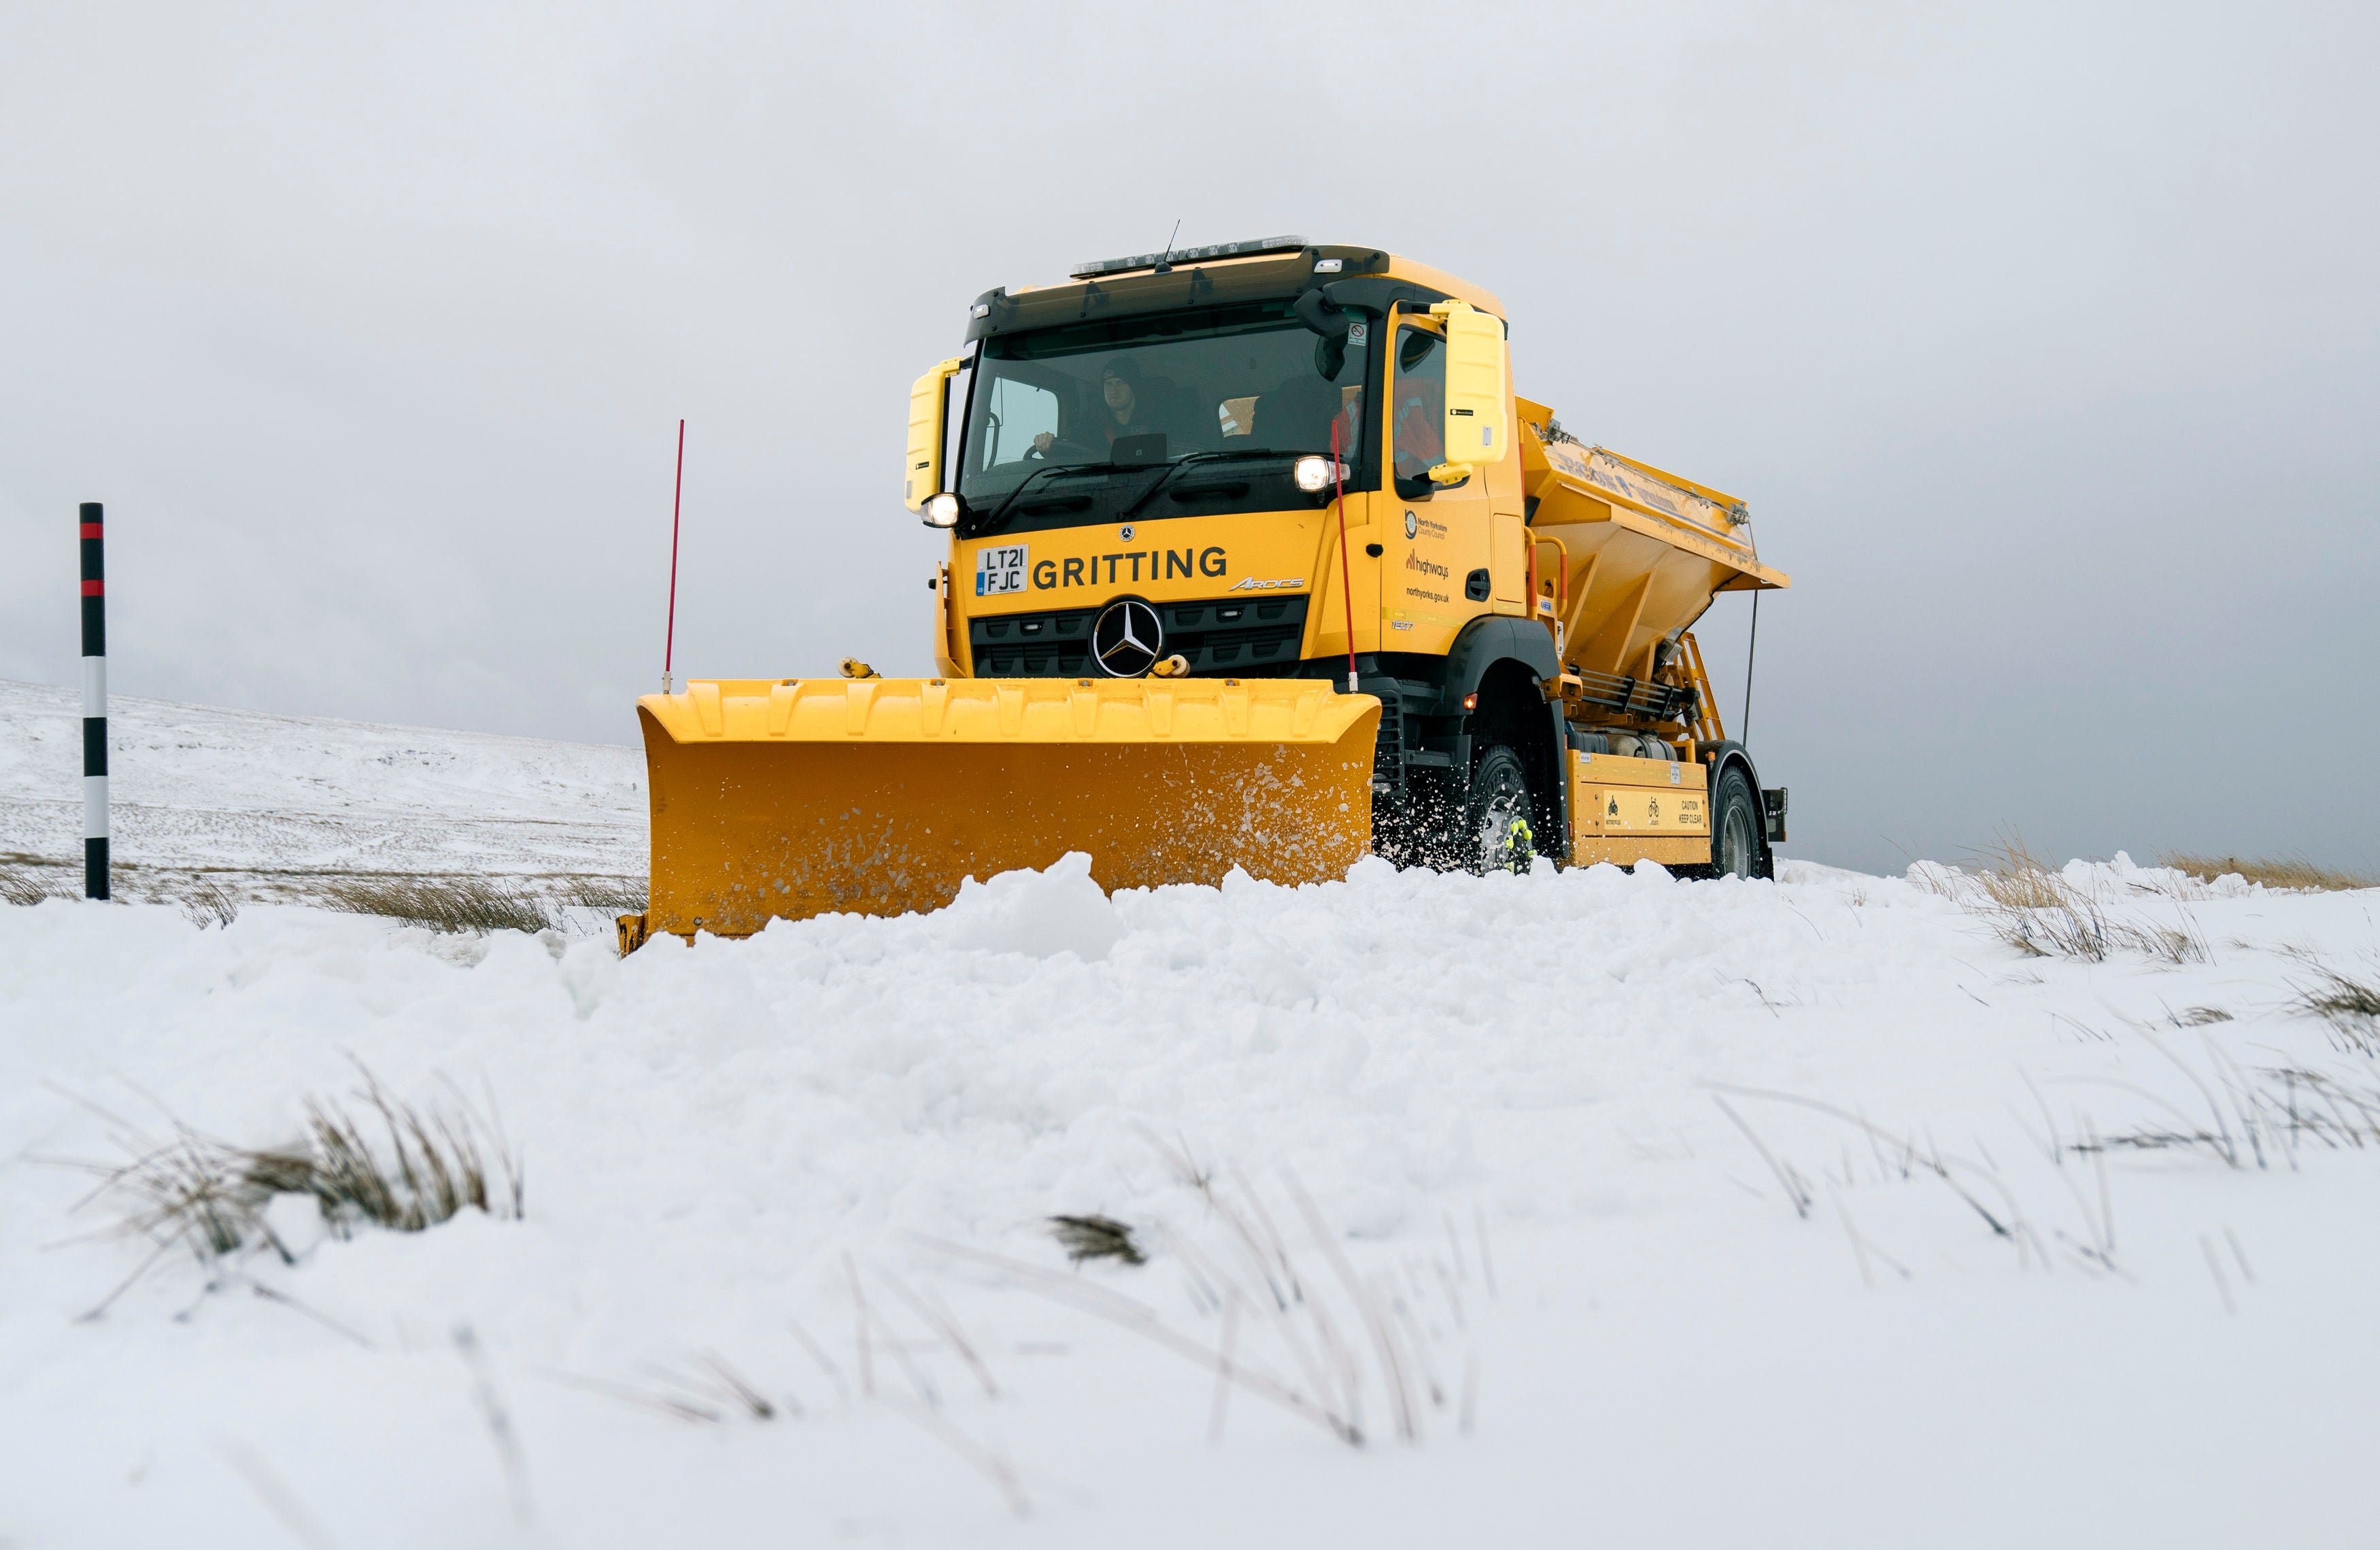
[1496, 818]
[1735, 828]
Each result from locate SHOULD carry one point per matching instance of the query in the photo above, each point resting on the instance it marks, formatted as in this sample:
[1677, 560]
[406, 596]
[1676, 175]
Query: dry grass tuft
[467, 905]
[26, 879]
[429, 1169]
[1301, 1330]
[471, 905]
[366, 1159]
[2015, 879]
[1096, 1237]
[208, 903]
[611, 896]
[2256, 1118]
[2032, 907]
[2289, 872]
[479, 905]
[2350, 1006]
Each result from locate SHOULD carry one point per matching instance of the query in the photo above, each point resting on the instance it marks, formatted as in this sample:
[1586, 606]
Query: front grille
[1219, 636]
[1034, 645]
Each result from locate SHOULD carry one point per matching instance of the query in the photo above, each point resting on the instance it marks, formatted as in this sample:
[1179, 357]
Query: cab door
[1437, 573]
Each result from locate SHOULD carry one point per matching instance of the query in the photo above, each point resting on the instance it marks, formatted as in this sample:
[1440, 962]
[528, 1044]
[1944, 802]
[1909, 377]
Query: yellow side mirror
[1478, 429]
[922, 476]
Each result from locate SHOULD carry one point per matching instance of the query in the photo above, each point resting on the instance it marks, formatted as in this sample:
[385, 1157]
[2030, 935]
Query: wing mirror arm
[1318, 316]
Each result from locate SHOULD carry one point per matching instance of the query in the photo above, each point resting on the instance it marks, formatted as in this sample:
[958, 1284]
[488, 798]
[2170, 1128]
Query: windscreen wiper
[998, 513]
[1196, 459]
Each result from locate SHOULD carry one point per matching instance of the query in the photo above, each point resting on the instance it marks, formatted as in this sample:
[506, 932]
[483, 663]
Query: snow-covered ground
[268, 806]
[1657, 1213]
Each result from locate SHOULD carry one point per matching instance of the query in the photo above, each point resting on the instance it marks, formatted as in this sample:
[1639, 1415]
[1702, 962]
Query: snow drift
[1810, 1212]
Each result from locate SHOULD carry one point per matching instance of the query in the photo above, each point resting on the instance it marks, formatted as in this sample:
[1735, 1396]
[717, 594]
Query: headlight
[1314, 474]
[941, 511]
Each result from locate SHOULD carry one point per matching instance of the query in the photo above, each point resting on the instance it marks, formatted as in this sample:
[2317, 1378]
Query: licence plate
[1000, 569]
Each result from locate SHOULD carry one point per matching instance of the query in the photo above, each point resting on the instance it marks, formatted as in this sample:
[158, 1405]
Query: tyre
[1736, 828]
[1496, 835]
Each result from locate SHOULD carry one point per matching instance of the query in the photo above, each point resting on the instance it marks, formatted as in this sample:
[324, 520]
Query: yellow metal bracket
[1707, 727]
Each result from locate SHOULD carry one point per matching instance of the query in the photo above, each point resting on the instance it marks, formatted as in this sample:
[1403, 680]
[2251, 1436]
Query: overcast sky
[2041, 339]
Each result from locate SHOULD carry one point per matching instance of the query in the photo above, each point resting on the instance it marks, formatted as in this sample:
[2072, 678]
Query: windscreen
[1095, 416]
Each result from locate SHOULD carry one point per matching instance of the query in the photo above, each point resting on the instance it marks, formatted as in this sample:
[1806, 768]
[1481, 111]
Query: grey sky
[2042, 341]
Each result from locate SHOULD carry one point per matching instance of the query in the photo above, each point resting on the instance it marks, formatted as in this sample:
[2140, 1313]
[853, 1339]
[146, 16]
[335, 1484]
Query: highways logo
[1127, 638]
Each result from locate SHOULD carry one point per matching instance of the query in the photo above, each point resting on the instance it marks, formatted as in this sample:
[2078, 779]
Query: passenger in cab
[1418, 405]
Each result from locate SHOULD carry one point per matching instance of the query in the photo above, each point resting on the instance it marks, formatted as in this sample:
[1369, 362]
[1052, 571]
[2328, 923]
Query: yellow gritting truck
[1256, 561]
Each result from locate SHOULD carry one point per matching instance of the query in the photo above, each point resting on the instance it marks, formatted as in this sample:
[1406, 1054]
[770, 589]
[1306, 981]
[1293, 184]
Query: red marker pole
[1346, 585]
[669, 640]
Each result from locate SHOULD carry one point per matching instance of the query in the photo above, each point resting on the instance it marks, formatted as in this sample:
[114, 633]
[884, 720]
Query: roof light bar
[1186, 255]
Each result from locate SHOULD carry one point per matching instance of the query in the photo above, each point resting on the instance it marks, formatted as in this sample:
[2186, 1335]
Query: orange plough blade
[782, 799]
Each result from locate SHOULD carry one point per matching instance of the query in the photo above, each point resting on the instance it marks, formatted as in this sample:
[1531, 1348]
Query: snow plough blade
[782, 799]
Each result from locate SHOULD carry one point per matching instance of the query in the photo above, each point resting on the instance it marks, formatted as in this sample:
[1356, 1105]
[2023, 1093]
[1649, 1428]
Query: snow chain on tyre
[1513, 851]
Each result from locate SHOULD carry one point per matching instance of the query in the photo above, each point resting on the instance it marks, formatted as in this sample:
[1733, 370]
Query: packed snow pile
[1581, 1206]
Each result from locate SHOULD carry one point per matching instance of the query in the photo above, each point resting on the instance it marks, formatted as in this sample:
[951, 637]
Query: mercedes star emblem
[1127, 638]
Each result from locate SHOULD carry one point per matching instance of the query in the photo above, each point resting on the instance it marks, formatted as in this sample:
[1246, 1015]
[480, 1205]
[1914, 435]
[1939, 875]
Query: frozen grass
[208, 903]
[368, 1158]
[476, 906]
[2248, 1117]
[2013, 877]
[1338, 1352]
[610, 895]
[2349, 1005]
[1976, 1182]
[2257, 1116]
[1300, 1329]
[1294, 1326]
[2289, 872]
[470, 905]
[26, 879]
[704, 1387]
[2035, 908]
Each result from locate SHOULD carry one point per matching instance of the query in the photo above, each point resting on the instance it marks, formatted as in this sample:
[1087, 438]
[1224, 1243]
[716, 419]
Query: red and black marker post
[94, 703]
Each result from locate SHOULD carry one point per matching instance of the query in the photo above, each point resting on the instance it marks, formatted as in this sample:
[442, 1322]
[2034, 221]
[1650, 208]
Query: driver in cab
[1122, 412]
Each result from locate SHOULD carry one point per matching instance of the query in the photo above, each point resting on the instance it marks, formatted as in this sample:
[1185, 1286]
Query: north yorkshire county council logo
[1413, 525]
